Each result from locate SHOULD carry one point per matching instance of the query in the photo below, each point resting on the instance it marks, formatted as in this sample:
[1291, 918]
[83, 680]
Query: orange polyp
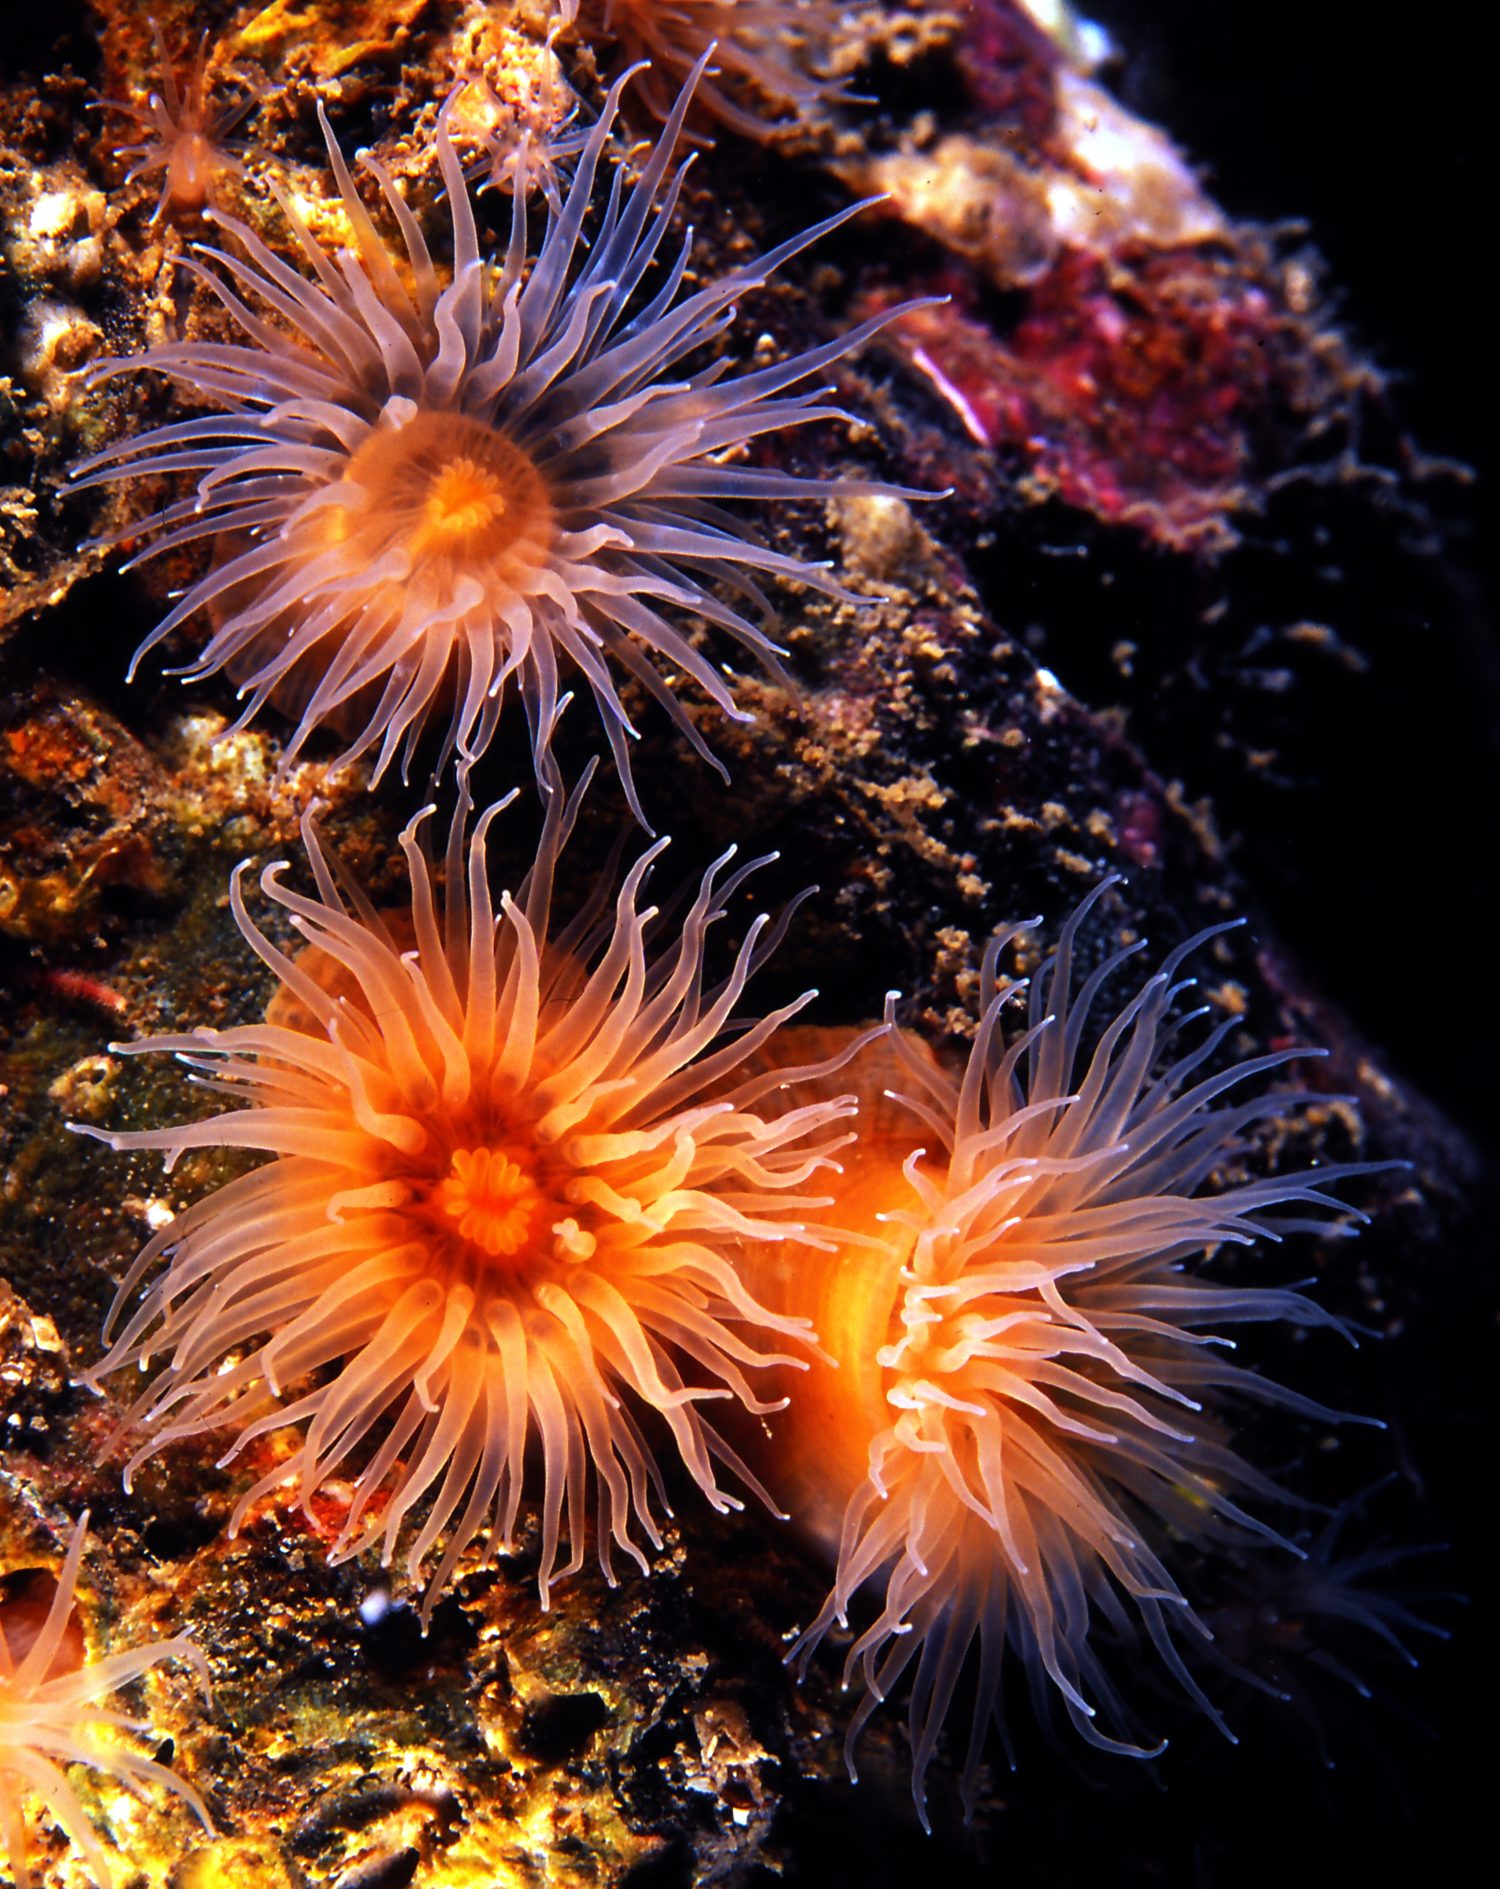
[190, 171]
[493, 1199]
[446, 481]
[447, 501]
[1024, 1417]
[509, 1185]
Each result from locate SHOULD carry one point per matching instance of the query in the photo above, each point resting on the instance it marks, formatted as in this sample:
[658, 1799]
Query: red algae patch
[1136, 397]
[513, 1175]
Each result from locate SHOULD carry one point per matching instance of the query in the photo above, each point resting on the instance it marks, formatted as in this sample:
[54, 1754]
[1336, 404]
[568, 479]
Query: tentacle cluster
[1055, 1381]
[765, 57]
[185, 138]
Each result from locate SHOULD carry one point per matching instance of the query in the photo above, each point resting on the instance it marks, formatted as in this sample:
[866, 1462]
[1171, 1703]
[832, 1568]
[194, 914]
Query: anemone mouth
[500, 1206]
[492, 1208]
[441, 501]
[432, 540]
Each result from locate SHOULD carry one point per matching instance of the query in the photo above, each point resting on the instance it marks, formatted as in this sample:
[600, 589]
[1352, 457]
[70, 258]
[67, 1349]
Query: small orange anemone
[51, 1715]
[764, 54]
[529, 135]
[185, 140]
[511, 1179]
[1027, 1412]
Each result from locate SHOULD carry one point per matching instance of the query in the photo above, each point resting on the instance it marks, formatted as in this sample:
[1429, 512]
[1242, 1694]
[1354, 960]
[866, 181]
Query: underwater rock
[1175, 536]
[83, 825]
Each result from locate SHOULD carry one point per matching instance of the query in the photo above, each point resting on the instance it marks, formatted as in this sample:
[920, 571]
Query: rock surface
[1157, 623]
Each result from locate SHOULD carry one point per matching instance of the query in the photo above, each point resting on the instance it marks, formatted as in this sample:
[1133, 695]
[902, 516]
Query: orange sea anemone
[763, 54]
[1029, 1418]
[185, 140]
[511, 1177]
[420, 492]
[52, 1714]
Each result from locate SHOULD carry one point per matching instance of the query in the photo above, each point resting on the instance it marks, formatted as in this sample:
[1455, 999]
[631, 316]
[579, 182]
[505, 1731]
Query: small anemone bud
[765, 58]
[186, 139]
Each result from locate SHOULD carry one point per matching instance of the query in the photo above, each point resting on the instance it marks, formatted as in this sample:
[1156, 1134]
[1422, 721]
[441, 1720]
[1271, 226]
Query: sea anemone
[51, 1715]
[529, 135]
[762, 54]
[511, 1177]
[186, 140]
[421, 491]
[1031, 1411]
[1287, 1627]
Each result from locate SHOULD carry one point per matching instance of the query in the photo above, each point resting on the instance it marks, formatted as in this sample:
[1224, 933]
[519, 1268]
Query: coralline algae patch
[1116, 348]
[1120, 345]
[1137, 393]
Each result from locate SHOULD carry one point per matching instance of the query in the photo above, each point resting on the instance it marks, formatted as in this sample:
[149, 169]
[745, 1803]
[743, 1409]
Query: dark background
[1371, 136]
[1369, 127]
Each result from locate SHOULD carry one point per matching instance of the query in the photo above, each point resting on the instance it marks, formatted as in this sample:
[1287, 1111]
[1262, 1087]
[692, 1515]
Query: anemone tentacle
[52, 1713]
